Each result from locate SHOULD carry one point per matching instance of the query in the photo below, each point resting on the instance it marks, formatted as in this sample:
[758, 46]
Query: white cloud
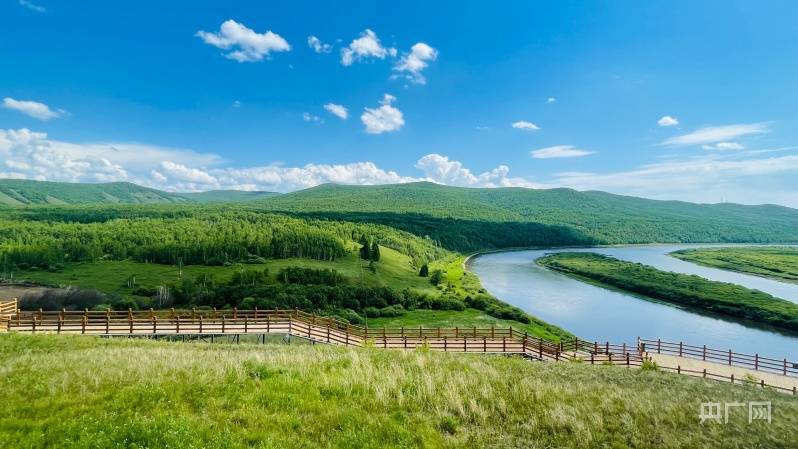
[182, 173]
[308, 117]
[32, 7]
[667, 120]
[724, 146]
[411, 64]
[337, 110]
[236, 104]
[710, 178]
[386, 118]
[365, 47]
[247, 45]
[440, 169]
[712, 134]
[32, 108]
[318, 46]
[551, 100]
[559, 151]
[525, 125]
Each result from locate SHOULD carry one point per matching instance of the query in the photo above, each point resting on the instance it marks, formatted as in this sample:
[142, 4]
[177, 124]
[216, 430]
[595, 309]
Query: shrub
[372, 312]
[445, 303]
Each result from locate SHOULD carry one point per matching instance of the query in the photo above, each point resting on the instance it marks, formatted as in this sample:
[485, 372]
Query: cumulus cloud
[440, 169]
[246, 44]
[337, 110]
[32, 6]
[551, 100]
[385, 118]
[559, 151]
[724, 146]
[712, 134]
[367, 46]
[667, 120]
[411, 64]
[525, 125]
[318, 46]
[32, 108]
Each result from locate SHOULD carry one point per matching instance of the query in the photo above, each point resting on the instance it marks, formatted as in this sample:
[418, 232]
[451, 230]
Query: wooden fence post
[756, 361]
[704, 355]
[730, 357]
[785, 367]
[680, 348]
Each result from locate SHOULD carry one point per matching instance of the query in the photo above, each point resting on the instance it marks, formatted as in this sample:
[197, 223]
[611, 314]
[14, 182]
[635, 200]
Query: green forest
[689, 290]
[360, 253]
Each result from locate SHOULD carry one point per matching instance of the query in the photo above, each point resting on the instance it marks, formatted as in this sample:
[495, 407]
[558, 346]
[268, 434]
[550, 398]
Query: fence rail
[7, 309]
[155, 323]
[726, 357]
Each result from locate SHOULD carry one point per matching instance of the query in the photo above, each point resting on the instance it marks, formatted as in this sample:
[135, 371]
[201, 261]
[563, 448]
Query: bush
[392, 311]
[436, 277]
[57, 299]
[351, 316]
[372, 312]
[445, 303]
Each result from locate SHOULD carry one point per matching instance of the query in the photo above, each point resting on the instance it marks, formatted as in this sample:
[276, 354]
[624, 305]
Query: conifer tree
[375, 252]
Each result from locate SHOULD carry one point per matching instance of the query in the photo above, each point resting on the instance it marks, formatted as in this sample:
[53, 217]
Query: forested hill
[18, 192]
[578, 217]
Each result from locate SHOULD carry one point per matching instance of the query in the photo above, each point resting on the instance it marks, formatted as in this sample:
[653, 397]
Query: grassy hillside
[719, 297]
[779, 263]
[532, 216]
[82, 392]
[23, 192]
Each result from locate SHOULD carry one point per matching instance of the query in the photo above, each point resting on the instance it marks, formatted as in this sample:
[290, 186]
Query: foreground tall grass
[85, 392]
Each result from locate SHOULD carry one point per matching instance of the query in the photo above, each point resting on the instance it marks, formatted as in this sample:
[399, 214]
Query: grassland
[780, 263]
[394, 269]
[465, 319]
[689, 290]
[82, 392]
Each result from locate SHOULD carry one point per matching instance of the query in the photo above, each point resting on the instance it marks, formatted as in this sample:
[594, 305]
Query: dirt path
[724, 370]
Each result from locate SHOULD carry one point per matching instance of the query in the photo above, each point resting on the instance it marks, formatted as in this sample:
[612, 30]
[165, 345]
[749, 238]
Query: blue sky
[206, 95]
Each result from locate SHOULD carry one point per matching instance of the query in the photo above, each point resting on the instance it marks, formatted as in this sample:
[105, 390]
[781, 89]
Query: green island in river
[689, 290]
[779, 263]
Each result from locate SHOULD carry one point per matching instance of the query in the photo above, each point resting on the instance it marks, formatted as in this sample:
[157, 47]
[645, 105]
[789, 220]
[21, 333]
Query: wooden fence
[316, 328]
[726, 357]
[7, 309]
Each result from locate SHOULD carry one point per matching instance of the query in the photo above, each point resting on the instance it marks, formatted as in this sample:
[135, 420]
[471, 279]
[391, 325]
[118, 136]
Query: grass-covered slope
[82, 392]
[719, 297]
[18, 192]
[780, 263]
[588, 217]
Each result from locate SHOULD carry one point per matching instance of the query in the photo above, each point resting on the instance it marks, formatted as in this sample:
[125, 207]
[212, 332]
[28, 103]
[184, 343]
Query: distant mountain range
[15, 192]
[448, 213]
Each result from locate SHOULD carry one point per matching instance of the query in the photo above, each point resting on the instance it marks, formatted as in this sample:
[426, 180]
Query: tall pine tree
[375, 252]
[365, 251]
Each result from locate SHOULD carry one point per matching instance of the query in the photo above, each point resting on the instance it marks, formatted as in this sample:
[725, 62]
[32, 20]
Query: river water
[601, 314]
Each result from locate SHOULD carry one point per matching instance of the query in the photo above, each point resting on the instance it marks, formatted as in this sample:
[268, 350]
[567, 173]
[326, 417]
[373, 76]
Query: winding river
[602, 314]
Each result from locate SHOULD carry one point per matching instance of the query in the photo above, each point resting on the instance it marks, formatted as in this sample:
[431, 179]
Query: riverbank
[693, 291]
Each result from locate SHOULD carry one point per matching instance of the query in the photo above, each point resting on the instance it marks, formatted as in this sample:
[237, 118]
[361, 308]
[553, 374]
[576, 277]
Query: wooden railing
[334, 331]
[726, 357]
[7, 309]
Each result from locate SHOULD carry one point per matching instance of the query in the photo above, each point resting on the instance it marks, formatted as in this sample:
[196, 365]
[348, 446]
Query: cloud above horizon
[32, 108]
[411, 64]
[748, 176]
[246, 44]
[365, 47]
[713, 134]
[383, 119]
[559, 151]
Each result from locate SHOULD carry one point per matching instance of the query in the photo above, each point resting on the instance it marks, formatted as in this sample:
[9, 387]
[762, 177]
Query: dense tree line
[209, 236]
